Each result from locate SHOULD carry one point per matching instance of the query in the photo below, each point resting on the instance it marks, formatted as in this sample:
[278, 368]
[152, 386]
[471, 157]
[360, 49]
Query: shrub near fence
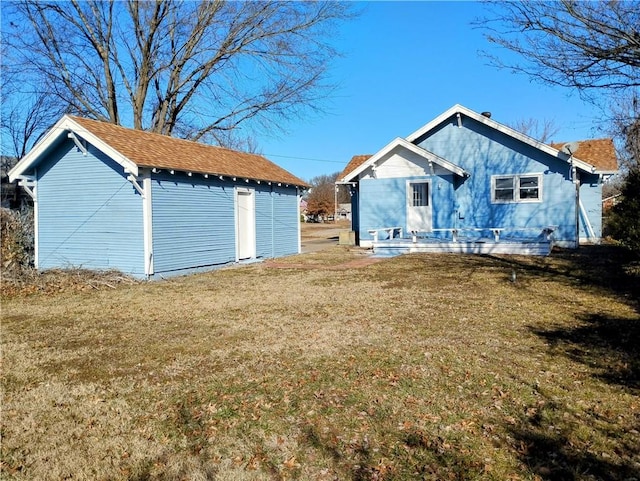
[17, 240]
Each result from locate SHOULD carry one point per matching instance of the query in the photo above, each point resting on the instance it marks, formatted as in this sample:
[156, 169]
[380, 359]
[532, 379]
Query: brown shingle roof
[151, 150]
[598, 152]
[355, 162]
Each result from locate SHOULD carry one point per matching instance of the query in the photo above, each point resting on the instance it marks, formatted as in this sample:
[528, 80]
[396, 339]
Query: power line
[306, 158]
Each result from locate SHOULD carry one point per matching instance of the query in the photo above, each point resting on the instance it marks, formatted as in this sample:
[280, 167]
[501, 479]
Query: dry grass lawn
[416, 367]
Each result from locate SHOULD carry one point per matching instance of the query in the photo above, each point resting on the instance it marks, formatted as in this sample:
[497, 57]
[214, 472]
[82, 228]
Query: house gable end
[89, 214]
[458, 115]
[400, 158]
[480, 149]
[67, 128]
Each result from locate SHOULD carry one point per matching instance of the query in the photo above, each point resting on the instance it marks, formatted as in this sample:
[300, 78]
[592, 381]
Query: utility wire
[305, 158]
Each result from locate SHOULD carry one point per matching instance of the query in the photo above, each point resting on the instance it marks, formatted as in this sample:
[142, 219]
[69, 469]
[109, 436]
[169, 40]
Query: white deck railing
[546, 232]
[391, 231]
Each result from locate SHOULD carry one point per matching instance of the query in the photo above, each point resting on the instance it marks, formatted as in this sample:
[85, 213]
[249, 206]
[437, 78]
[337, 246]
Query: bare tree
[25, 113]
[589, 46]
[197, 70]
[625, 126]
[23, 123]
[579, 44]
[321, 200]
[541, 130]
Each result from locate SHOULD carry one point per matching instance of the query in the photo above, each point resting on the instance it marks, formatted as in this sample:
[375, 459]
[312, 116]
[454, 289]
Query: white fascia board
[43, 144]
[435, 122]
[451, 167]
[399, 142]
[501, 128]
[64, 125]
[370, 161]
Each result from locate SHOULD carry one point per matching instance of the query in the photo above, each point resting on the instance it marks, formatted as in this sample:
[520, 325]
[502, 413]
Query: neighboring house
[465, 174]
[344, 211]
[108, 197]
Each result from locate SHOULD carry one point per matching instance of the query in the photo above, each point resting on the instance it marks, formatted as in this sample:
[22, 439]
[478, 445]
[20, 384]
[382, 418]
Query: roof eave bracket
[136, 185]
[28, 183]
[80, 143]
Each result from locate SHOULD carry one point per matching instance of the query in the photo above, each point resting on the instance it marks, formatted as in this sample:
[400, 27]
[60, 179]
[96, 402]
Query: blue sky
[405, 63]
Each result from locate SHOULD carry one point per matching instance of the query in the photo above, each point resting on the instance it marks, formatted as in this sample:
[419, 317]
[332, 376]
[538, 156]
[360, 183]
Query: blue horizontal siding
[193, 222]
[286, 222]
[485, 152]
[264, 221]
[386, 203]
[89, 215]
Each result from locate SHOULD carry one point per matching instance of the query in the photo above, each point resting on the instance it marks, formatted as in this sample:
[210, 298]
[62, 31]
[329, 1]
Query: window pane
[504, 190]
[504, 183]
[504, 194]
[420, 194]
[529, 188]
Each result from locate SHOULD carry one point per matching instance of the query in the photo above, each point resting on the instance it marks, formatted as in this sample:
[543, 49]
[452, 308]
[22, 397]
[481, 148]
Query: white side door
[245, 223]
[419, 217]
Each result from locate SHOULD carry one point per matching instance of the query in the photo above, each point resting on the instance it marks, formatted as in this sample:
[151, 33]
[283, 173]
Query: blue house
[466, 181]
[108, 197]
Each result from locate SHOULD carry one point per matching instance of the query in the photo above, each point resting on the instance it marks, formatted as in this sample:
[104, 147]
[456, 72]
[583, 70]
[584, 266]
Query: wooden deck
[396, 243]
[394, 247]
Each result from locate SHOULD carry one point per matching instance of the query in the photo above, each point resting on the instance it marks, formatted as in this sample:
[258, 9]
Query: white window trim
[516, 199]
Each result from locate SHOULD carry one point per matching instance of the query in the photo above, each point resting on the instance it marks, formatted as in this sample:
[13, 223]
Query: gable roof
[398, 142]
[600, 153]
[135, 149]
[355, 162]
[460, 110]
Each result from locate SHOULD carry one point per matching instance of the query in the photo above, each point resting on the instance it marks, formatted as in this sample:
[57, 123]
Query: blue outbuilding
[466, 183]
[149, 205]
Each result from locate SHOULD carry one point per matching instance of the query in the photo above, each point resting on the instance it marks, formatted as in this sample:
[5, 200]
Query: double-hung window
[516, 188]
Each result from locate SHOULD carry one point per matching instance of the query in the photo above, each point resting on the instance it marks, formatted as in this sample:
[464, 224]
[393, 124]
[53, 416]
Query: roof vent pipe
[487, 114]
